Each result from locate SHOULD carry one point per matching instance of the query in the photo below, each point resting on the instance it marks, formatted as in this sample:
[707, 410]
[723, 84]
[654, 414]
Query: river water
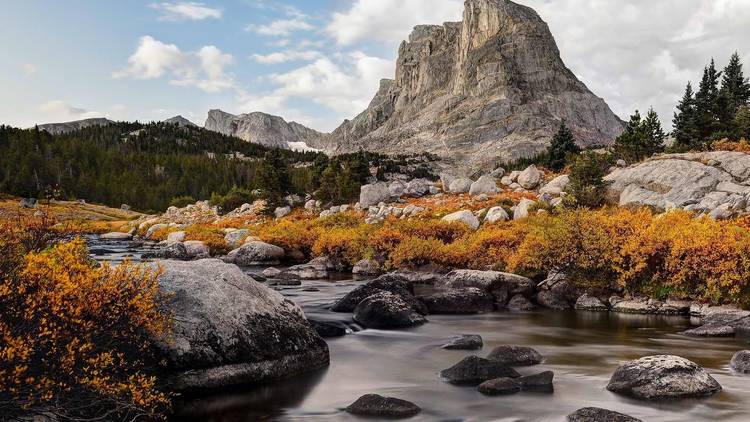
[582, 348]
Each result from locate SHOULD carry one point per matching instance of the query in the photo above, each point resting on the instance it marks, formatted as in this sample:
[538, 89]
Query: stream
[583, 349]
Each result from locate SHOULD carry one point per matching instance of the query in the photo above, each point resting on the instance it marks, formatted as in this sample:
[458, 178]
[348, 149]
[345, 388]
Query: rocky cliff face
[261, 128]
[60, 128]
[491, 87]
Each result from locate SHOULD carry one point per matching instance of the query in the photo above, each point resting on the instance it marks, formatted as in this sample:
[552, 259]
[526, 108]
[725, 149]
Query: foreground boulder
[741, 362]
[474, 370]
[373, 194]
[256, 253]
[387, 310]
[515, 356]
[459, 301]
[541, 382]
[231, 330]
[500, 285]
[596, 414]
[662, 377]
[386, 283]
[385, 407]
[467, 217]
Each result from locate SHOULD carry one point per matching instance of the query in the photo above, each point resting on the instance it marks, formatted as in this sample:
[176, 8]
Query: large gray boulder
[387, 310]
[522, 209]
[596, 414]
[484, 185]
[256, 253]
[466, 217]
[461, 185]
[515, 356]
[556, 186]
[235, 238]
[741, 362]
[474, 370]
[231, 330]
[119, 236]
[459, 301]
[530, 178]
[662, 377]
[496, 214]
[417, 188]
[701, 182]
[500, 285]
[373, 194]
[386, 283]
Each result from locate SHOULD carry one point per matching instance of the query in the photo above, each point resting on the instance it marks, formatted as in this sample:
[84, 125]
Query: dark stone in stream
[464, 342]
[385, 283]
[311, 289]
[387, 310]
[721, 325]
[662, 377]
[596, 414]
[515, 356]
[499, 386]
[328, 329]
[459, 301]
[520, 303]
[590, 303]
[379, 406]
[552, 300]
[741, 362]
[541, 382]
[176, 250]
[474, 370]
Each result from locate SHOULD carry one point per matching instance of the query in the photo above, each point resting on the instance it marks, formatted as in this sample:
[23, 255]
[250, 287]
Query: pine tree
[734, 84]
[562, 146]
[629, 145]
[707, 104]
[655, 136]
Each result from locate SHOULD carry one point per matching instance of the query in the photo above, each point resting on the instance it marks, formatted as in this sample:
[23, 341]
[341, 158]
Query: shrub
[414, 252]
[212, 236]
[347, 245]
[234, 199]
[76, 337]
[587, 186]
[289, 234]
[181, 201]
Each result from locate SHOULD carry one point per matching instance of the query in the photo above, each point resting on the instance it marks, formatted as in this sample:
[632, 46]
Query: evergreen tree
[641, 138]
[741, 123]
[734, 85]
[563, 145]
[655, 136]
[707, 104]
[587, 185]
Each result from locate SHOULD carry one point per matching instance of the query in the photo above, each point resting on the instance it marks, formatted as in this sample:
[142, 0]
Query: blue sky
[318, 61]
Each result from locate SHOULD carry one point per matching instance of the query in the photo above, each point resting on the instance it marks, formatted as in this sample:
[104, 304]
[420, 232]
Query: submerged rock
[459, 301]
[231, 330]
[662, 377]
[379, 406]
[541, 382]
[464, 342]
[520, 303]
[386, 310]
[596, 414]
[515, 356]
[328, 329]
[474, 370]
[499, 386]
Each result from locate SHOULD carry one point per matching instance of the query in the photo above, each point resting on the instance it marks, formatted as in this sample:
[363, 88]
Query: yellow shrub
[289, 234]
[414, 252]
[212, 236]
[347, 245]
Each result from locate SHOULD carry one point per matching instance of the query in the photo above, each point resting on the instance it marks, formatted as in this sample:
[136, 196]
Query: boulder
[522, 209]
[386, 310]
[271, 272]
[552, 299]
[556, 186]
[367, 267]
[465, 216]
[596, 414]
[461, 185]
[446, 179]
[485, 185]
[530, 178]
[417, 188]
[499, 387]
[385, 283]
[175, 250]
[396, 189]
[590, 303]
[281, 212]
[316, 269]
[197, 249]
[311, 205]
[235, 238]
[515, 356]
[741, 362]
[662, 377]
[520, 303]
[496, 214]
[375, 405]
[459, 301]
[373, 194]
[28, 203]
[541, 382]
[474, 370]
[153, 229]
[231, 330]
[329, 329]
[178, 236]
[464, 342]
[256, 253]
[116, 236]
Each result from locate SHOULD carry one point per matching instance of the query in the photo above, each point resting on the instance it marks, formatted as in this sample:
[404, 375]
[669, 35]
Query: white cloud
[389, 20]
[60, 111]
[287, 56]
[179, 10]
[204, 69]
[295, 21]
[29, 69]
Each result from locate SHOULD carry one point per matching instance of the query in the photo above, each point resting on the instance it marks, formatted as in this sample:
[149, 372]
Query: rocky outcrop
[261, 128]
[67, 127]
[715, 183]
[662, 377]
[180, 121]
[231, 330]
[492, 86]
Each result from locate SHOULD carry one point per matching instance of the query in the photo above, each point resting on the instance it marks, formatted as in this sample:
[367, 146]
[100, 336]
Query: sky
[319, 62]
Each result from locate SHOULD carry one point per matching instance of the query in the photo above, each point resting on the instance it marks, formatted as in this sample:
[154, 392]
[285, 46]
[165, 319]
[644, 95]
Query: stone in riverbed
[386, 310]
[520, 303]
[271, 272]
[316, 269]
[464, 342]
[387, 407]
[459, 301]
[474, 370]
[515, 356]
[388, 283]
[256, 253]
[500, 285]
[499, 387]
[662, 377]
[541, 382]
[197, 249]
[367, 267]
[741, 362]
[116, 236]
[552, 300]
[328, 329]
[231, 330]
[596, 414]
[175, 250]
[590, 303]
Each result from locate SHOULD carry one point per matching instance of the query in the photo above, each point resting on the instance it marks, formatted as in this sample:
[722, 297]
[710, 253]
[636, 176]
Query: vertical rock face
[260, 128]
[493, 86]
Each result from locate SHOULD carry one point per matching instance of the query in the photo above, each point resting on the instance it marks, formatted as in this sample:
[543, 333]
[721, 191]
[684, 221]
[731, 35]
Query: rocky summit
[490, 87]
[62, 128]
[261, 128]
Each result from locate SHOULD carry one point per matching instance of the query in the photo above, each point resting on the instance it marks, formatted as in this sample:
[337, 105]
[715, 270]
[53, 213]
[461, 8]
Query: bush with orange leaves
[210, 235]
[75, 335]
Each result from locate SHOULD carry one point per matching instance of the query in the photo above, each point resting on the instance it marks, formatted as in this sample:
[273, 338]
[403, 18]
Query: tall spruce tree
[655, 136]
[563, 145]
[707, 104]
[685, 132]
[734, 85]
[641, 137]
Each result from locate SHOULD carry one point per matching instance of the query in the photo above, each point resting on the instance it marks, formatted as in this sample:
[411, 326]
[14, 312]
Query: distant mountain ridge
[263, 129]
[180, 121]
[66, 127]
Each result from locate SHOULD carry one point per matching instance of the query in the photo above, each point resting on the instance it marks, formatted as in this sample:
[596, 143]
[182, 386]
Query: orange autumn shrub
[289, 234]
[430, 229]
[347, 245]
[76, 336]
[211, 235]
[491, 247]
[414, 252]
[161, 234]
[726, 145]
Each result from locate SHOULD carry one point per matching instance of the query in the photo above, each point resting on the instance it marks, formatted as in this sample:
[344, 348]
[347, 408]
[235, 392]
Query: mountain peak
[180, 121]
[66, 127]
[262, 128]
